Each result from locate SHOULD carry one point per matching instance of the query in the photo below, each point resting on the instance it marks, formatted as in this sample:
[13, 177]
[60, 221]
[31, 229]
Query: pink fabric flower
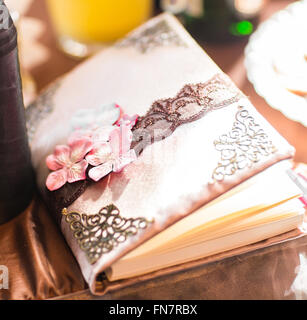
[95, 134]
[103, 115]
[106, 148]
[113, 155]
[127, 120]
[68, 163]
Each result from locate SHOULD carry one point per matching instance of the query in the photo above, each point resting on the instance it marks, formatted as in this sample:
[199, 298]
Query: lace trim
[158, 35]
[245, 145]
[100, 233]
[38, 110]
[191, 103]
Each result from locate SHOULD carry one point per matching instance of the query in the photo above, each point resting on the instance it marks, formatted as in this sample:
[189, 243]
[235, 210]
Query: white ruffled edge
[259, 52]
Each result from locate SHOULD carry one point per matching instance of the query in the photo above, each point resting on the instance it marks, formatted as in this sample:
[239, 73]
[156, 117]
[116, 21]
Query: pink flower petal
[79, 134]
[115, 141]
[126, 136]
[120, 140]
[102, 134]
[121, 112]
[123, 161]
[56, 180]
[133, 120]
[79, 148]
[53, 163]
[110, 114]
[101, 153]
[101, 171]
[77, 171]
[62, 153]
[128, 121]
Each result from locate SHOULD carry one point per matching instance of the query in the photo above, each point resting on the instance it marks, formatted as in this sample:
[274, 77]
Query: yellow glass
[81, 25]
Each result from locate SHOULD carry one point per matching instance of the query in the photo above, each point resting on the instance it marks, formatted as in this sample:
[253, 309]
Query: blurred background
[56, 35]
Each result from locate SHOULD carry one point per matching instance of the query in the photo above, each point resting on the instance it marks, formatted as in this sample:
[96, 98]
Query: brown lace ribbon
[191, 103]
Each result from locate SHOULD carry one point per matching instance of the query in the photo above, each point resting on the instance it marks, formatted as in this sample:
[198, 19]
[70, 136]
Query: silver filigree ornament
[100, 233]
[242, 147]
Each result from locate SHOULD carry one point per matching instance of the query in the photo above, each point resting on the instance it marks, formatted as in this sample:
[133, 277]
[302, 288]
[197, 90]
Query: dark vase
[16, 172]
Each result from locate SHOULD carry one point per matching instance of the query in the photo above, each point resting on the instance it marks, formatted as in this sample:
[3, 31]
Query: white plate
[274, 60]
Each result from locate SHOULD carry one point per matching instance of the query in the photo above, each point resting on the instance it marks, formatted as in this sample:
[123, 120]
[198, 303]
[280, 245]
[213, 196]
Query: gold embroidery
[100, 233]
[244, 145]
[160, 34]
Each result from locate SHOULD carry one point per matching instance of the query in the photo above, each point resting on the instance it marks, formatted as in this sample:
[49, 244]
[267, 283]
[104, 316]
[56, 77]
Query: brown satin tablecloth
[41, 265]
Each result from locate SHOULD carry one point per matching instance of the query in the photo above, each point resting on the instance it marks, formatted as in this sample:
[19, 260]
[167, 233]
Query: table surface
[273, 273]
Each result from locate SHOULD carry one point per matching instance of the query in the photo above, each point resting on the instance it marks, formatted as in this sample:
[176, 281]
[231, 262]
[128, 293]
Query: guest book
[152, 160]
